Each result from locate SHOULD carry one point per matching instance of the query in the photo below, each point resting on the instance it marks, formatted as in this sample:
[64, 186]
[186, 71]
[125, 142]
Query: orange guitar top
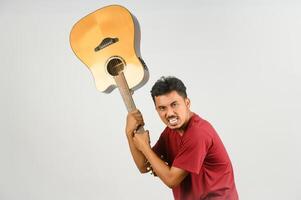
[109, 33]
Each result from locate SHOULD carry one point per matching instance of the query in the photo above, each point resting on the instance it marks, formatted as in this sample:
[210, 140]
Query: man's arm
[138, 156]
[171, 176]
[134, 120]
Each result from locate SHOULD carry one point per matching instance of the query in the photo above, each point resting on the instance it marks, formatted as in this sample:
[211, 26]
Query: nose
[169, 112]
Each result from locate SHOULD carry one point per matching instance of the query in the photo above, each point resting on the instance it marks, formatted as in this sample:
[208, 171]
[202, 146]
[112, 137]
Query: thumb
[147, 133]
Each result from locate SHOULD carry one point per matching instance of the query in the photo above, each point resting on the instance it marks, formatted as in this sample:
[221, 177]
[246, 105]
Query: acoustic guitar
[107, 41]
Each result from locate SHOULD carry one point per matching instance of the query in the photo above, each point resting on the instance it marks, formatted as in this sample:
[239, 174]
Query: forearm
[138, 156]
[162, 170]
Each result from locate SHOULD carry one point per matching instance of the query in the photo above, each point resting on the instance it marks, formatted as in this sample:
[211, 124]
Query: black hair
[168, 84]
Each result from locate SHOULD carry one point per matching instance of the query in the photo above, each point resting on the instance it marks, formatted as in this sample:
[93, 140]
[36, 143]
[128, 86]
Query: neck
[183, 128]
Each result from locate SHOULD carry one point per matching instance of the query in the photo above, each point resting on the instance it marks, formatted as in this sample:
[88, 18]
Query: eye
[174, 104]
[161, 108]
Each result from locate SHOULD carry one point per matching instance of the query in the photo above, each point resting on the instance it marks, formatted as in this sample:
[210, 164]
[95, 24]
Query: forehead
[168, 98]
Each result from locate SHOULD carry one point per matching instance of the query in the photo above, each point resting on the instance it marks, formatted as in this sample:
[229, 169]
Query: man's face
[173, 109]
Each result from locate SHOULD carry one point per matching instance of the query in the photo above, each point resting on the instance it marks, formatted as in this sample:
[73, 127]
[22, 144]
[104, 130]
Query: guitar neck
[126, 94]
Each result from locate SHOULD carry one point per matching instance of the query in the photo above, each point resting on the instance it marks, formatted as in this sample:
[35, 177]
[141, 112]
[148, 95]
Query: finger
[136, 111]
[137, 115]
[137, 126]
[140, 121]
[133, 112]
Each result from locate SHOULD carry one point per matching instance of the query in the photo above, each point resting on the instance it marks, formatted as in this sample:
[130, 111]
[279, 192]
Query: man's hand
[133, 121]
[141, 140]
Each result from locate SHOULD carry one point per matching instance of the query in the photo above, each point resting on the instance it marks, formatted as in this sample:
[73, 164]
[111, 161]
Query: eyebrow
[161, 106]
[174, 102]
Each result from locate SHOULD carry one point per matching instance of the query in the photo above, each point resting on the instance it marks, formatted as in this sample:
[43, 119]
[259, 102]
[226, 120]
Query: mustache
[172, 116]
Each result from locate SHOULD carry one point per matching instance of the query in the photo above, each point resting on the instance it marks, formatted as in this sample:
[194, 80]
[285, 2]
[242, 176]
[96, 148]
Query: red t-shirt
[201, 153]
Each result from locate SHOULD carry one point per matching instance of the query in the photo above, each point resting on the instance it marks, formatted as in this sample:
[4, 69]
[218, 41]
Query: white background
[61, 139]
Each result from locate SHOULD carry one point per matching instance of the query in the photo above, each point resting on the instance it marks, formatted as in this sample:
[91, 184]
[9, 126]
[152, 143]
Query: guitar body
[104, 37]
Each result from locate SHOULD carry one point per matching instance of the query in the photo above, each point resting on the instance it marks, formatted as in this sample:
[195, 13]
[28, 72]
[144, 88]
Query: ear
[187, 102]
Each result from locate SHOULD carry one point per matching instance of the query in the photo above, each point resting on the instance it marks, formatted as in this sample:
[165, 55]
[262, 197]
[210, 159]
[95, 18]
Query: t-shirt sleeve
[159, 147]
[192, 152]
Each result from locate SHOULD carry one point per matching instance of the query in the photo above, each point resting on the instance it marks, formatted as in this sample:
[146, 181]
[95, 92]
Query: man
[189, 156]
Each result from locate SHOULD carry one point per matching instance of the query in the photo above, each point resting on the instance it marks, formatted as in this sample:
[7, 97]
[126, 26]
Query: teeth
[173, 120]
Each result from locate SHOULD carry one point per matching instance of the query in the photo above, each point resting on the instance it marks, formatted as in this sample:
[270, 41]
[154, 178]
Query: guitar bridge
[105, 42]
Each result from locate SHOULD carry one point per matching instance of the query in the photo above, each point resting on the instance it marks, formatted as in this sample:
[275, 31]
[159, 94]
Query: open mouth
[173, 121]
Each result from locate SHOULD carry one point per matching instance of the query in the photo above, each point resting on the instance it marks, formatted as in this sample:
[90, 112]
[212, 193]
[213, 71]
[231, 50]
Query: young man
[189, 156]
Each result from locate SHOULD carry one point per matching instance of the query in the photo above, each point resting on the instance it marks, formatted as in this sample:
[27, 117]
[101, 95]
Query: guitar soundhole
[115, 66]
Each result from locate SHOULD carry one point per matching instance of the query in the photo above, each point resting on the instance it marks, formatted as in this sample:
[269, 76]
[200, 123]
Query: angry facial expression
[174, 110]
